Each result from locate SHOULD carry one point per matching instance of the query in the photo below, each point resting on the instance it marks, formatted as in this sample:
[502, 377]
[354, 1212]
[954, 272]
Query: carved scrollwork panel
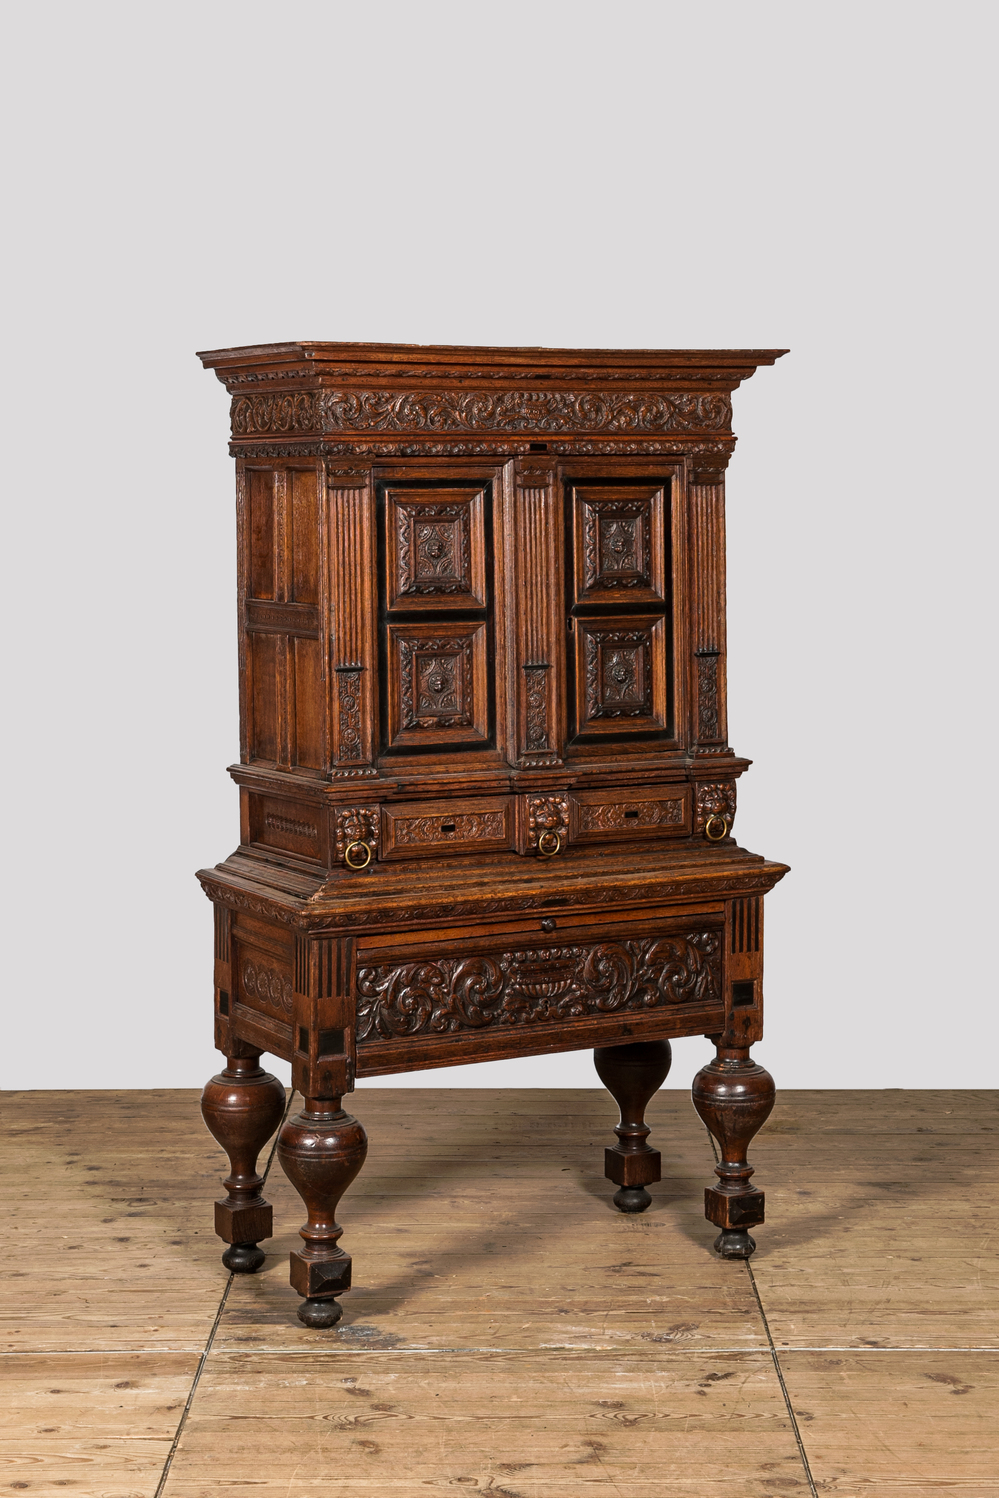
[435, 549]
[541, 985]
[437, 690]
[621, 674]
[620, 544]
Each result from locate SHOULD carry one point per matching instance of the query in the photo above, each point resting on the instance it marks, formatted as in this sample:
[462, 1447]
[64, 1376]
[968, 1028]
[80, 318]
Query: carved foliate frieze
[357, 824]
[549, 411]
[537, 985]
[627, 816]
[547, 814]
[713, 798]
[467, 827]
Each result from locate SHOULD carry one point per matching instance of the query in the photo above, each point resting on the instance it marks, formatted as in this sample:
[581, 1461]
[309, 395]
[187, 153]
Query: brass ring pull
[351, 859]
[715, 837]
[549, 844]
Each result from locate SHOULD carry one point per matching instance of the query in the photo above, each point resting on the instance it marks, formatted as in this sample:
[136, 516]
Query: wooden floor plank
[878, 1232]
[894, 1423]
[108, 1222]
[512, 1424]
[92, 1424]
[471, 1249]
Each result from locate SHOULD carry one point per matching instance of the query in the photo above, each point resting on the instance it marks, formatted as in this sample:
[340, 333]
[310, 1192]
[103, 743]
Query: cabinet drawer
[604, 816]
[426, 829]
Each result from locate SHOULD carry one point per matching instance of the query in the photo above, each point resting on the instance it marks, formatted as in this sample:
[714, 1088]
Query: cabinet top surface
[308, 359]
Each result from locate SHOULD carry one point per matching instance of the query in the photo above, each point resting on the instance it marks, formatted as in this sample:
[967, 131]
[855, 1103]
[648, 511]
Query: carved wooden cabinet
[486, 790]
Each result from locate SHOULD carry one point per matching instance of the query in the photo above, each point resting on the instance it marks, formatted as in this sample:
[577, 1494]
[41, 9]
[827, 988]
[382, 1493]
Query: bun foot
[320, 1314]
[735, 1245]
[632, 1199]
[243, 1258]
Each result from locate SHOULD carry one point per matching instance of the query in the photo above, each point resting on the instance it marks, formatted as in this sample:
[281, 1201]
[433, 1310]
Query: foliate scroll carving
[537, 986]
[269, 987]
[625, 816]
[477, 411]
[547, 814]
[349, 710]
[357, 824]
[708, 706]
[618, 679]
[713, 799]
[455, 448]
[537, 706]
[470, 827]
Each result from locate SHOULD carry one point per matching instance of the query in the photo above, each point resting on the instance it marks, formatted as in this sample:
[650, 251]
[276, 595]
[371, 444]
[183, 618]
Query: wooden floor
[509, 1332]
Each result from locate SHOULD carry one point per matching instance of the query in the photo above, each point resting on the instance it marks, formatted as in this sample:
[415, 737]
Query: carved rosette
[548, 411]
[269, 987]
[547, 814]
[357, 824]
[713, 799]
[537, 986]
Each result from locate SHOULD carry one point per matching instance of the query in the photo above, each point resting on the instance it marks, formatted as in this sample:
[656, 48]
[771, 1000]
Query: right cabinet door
[619, 582]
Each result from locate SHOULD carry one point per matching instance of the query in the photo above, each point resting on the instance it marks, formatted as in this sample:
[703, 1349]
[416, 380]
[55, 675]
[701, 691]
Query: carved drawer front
[619, 544]
[437, 690]
[621, 675]
[634, 967]
[422, 829]
[610, 816]
[435, 549]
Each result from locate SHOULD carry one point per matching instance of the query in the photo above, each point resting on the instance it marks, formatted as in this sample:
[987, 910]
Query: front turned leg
[321, 1150]
[242, 1107]
[632, 1075]
[733, 1097]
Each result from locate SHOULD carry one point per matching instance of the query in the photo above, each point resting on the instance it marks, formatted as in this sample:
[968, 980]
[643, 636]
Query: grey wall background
[547, 173]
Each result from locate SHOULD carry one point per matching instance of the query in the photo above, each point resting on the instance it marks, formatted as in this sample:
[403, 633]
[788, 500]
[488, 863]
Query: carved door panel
[436, 630]
[619, 605]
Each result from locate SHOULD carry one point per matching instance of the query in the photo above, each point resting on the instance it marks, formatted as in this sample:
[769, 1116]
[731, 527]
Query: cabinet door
[619, 604]
[436, 627]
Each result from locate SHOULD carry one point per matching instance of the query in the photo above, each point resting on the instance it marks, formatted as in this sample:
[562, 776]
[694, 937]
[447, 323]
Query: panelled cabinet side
[486, 791]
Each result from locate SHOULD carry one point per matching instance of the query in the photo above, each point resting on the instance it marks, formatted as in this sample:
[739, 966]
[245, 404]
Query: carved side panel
[535, 567]
[540, 985]
[621, 674]
[619, 545]
[435, 549]
[707, 521]
[353, 625]
[437, 688]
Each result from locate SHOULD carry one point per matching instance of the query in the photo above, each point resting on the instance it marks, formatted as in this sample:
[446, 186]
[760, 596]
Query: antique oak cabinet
[485, 785]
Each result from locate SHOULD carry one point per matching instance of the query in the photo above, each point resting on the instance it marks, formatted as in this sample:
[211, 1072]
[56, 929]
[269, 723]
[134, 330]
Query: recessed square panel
[620, 674]
[619, 544]
[435, 549]
[437, 684]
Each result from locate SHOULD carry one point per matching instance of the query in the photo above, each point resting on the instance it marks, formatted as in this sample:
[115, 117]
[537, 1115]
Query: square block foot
[742, 1209]
[320, 1277]
[244, 1224]
[638, 1168]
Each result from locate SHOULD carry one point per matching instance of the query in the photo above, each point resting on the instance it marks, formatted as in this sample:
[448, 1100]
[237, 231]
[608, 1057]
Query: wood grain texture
[879, 1231]
[899, 1423]
[507, 1423]
[107, 1242]
[97, 1423]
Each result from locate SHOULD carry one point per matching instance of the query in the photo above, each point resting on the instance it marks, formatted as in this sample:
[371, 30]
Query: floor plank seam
[203, 1359]
[780, 1378]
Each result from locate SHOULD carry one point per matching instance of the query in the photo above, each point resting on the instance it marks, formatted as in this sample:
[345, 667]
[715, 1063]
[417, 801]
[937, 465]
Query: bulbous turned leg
[242, 1107]
[632, 1074]
[733, 1097]
[321, 1150]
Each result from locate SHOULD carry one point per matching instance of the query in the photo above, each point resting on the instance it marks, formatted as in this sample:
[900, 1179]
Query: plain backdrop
[573, 174]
